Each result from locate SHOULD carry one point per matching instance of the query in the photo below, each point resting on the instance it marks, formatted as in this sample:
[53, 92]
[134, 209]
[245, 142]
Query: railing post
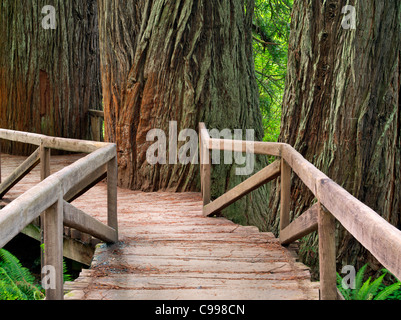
[52, 271]
[0, 163]
[44, 173]
[206, 170]
[327, 254]
[285, 198]
[112, 177]
[44, 162]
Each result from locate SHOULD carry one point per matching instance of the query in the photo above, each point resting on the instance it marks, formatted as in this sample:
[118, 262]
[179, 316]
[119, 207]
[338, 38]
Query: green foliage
[271, 29]
[370, 290]
[16, 282]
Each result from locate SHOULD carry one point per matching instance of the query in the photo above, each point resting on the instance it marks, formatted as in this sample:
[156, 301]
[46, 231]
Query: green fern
[385, 293]
[368, 290]
[16, 282]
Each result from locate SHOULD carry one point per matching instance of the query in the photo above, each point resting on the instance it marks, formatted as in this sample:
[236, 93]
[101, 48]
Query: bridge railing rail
[377, 235]
[51, 198]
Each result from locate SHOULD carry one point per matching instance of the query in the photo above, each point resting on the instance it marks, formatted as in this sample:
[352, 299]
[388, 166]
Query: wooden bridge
[166, 246]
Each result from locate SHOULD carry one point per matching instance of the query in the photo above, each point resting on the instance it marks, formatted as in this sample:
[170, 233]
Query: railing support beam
[285, 199]
[52, 271]
[327, 254]
[112, 177]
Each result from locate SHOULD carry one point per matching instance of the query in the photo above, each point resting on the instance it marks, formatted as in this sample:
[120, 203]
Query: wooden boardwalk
[168, 250]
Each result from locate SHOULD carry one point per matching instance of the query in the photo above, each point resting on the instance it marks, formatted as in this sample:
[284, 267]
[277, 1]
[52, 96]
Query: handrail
[47, 198]
[377, 235]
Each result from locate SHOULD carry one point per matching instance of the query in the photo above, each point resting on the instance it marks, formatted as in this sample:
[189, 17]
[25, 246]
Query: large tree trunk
[49, 78]
[185, 61]
[342, 109]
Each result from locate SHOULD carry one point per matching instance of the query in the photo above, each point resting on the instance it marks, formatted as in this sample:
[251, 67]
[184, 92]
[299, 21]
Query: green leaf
[383, 295]
[359, 281]
[362, 292]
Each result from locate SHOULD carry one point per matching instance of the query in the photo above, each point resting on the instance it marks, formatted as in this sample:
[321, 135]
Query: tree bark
[342, 107]
[49, 78]
[185, 61]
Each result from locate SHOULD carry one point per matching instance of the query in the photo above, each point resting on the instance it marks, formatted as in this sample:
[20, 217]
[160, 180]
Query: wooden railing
[96, 118]
[51, 198]
[378, 236]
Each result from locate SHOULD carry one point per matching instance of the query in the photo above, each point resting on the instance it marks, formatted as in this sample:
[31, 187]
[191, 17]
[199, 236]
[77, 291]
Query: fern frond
[362, 292]
[359, 281]
[374, 287]
[14, 268]
[9, 289]
[388, 291]
[18, 278]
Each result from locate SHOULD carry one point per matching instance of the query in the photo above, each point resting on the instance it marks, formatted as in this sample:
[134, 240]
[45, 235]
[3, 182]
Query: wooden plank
[327, 255]
[78, 171]
[96, 113]
[285, 195]
[20, 173]
[267, 174]
[44, 162]
[112, 177]
[72, 249]
[77, 219]
[22, 211]
[256, 147]
[0, 163]
[206, 164]
[306, 171]
[53, 251]
[302, 226]
[86, 184]
[378, 236]
[71, 145]
[23, 137]
[206, 173]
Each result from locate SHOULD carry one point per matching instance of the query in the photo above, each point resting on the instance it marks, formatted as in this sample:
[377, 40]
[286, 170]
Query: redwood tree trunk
[185, 61]
[49, 78]
[342, 109]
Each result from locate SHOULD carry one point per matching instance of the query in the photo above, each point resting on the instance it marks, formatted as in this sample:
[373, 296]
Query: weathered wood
[96, 113]
[20, 173]
[302, 226]
[77, 219]
[44, 174]
[96, 120]
[86, 184]
[53, 250]
[78, 171]
[22, 211]
[72, 249]
[112, 172]
[382, 239]
[181, 254]
[327, 255]
[285, 200]
[267, 174]
[205, 164]
[263, 148]
[63, 144]
[206, 175]
[44, 162]
[307, 172]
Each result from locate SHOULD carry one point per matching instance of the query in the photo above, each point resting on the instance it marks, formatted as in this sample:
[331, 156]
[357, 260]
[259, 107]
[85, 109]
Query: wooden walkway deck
[169, 251]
